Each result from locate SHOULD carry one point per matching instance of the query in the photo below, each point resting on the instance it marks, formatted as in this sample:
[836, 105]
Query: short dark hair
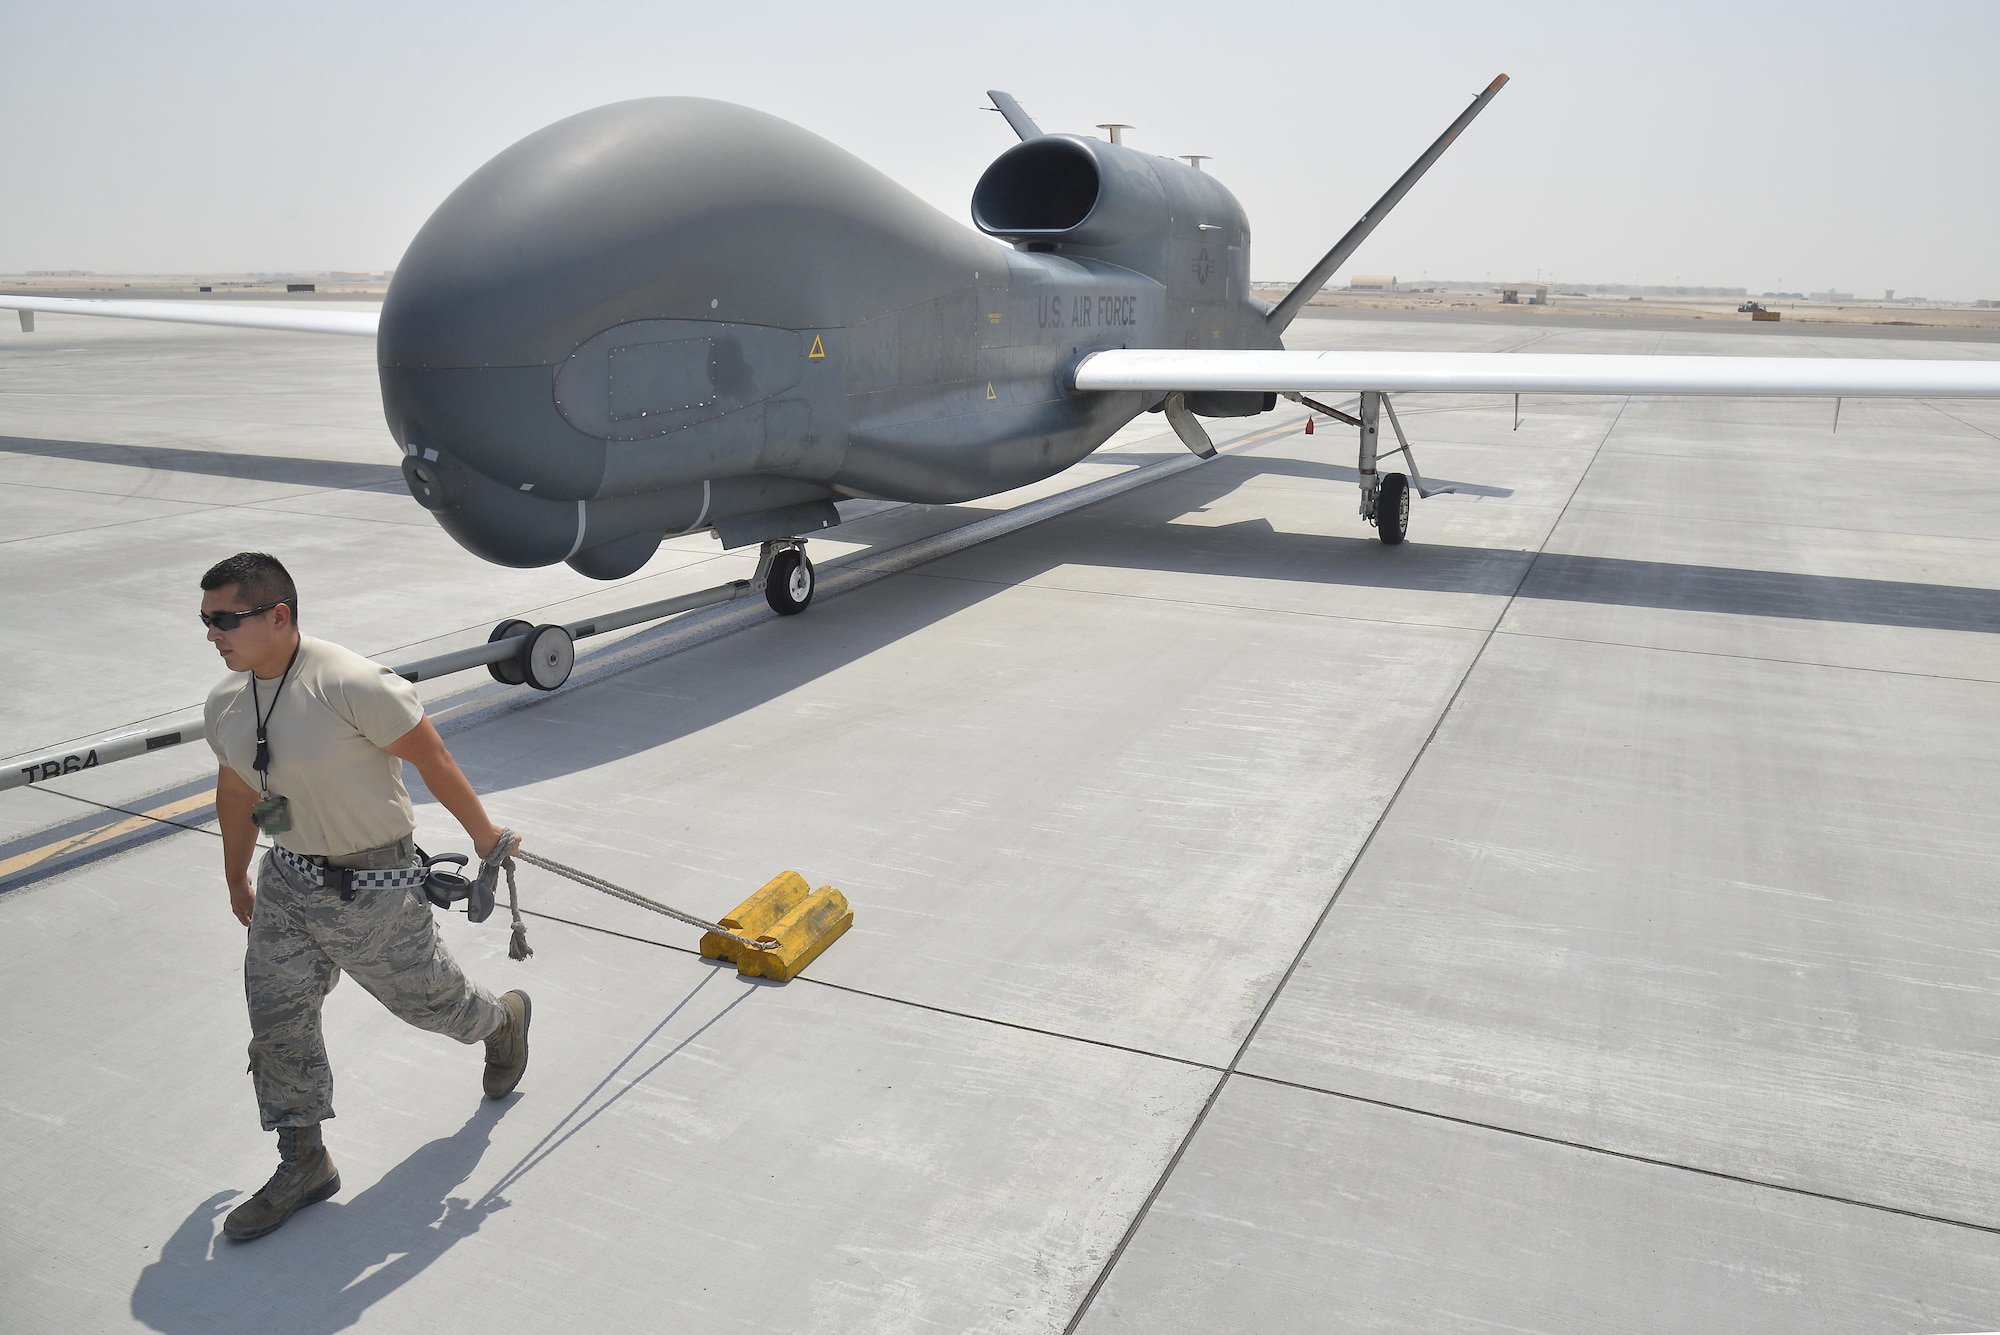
[258, 576]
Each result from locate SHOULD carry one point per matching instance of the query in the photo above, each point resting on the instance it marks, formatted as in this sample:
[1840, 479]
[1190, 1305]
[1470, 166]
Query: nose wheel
[543, 656]
[789, 586]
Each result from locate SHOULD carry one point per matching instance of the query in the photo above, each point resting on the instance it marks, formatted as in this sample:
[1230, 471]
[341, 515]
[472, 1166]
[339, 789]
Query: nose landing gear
[788, 582]
[520, 653]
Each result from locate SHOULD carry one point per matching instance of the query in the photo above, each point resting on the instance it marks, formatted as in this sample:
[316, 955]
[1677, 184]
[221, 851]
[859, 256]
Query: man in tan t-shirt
[311, 740]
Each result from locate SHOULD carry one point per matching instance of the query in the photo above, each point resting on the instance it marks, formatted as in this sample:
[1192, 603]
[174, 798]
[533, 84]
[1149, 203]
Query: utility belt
[388, 867]
[397, 866]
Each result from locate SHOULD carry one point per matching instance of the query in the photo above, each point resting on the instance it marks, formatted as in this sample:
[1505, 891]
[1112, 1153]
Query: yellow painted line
[35, 856]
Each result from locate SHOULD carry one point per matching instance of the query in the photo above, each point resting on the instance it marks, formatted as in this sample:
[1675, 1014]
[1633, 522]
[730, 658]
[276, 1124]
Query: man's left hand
[485, 845]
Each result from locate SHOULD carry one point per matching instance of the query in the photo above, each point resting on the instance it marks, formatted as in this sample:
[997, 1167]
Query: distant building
[1831, 296]
[1372, 283]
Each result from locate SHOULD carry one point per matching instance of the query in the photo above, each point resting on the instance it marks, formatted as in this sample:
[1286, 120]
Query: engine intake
[1071, 190]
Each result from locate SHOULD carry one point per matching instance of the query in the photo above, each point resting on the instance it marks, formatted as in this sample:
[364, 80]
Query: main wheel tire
[790, 587]
[1392, 508]
[547, 657]
[508, 670]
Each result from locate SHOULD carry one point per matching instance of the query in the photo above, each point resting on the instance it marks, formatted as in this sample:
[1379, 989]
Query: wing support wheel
[546, 657]
[508, 670]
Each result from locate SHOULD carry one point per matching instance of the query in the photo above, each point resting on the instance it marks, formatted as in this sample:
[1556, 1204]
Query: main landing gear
[1392, 508]
[1385, 497]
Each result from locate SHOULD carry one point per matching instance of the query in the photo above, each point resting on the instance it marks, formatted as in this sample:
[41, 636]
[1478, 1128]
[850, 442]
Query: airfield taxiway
[1578, 919]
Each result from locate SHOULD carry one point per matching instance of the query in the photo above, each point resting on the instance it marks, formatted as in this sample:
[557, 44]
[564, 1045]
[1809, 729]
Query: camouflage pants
[302, 938]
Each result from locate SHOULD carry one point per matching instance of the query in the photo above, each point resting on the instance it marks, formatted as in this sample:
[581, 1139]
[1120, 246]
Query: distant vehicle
[1756, 312]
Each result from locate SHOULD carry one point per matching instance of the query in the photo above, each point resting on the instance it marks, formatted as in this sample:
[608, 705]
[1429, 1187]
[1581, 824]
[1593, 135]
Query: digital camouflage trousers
[302, 938]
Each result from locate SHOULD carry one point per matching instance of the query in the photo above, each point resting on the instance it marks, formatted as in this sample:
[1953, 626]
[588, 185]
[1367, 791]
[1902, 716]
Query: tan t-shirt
[326, 733]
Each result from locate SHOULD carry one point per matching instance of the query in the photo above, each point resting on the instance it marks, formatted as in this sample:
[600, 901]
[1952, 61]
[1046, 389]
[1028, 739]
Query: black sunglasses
[231, 620]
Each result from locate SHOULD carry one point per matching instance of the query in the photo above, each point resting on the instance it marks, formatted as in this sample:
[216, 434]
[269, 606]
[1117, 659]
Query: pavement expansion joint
[1974, 426]
[1746, 658]
[1626, 1155]
[1138, 1219]
[99, 839]
[907, 1002]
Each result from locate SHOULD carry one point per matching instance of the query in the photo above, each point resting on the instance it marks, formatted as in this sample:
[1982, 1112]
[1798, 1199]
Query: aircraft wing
[1286, 371]
[240, 315]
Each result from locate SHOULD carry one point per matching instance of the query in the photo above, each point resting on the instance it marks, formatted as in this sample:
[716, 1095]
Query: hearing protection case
[445, 888]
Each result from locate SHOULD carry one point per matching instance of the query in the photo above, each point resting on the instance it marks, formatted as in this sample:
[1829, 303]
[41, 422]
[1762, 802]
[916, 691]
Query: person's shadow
[329, 1264]
[335, 1260]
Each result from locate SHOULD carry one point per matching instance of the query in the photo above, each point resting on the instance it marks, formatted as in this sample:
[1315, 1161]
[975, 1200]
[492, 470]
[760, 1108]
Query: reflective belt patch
[387, 878]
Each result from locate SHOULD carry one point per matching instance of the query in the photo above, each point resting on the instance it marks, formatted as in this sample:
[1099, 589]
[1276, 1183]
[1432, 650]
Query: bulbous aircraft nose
[661, 208]
[641, 211]
[604, 310]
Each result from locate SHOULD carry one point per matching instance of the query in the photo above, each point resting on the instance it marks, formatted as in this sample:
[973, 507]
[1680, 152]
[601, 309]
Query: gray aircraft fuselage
[673, 314]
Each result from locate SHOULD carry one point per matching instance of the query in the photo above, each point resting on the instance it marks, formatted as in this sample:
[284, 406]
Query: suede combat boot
[305, 1174]
[507, 1046]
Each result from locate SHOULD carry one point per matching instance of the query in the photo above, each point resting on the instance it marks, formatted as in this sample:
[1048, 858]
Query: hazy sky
[1795, 145]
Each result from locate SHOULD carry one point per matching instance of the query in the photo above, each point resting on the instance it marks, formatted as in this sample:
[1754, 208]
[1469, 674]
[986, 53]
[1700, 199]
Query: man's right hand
[242, 899]
[233, 800]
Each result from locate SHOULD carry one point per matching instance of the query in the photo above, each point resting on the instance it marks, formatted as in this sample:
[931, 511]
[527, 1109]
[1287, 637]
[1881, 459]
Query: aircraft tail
[1285, 311]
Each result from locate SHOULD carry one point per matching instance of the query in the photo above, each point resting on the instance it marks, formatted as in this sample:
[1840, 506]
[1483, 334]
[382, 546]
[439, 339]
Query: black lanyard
[262, 764]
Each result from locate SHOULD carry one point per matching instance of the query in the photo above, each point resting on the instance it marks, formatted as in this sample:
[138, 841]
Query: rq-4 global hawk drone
[677, 314]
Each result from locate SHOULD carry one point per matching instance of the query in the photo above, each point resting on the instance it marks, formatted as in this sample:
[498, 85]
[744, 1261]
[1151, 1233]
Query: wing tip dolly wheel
[789, 587]
[508, 670]
[546, 657]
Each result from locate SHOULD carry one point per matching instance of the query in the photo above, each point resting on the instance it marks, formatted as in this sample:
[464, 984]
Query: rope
[504, 855]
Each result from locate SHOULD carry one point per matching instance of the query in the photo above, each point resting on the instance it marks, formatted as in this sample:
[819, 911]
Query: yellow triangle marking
[819, 350]
[990, 395]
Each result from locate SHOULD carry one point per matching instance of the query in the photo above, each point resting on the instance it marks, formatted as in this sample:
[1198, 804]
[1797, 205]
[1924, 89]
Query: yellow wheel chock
[791, 923]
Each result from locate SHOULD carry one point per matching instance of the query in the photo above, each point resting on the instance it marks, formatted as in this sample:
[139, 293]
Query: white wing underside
[1308, 372]
[1289, 371]
[239, 315]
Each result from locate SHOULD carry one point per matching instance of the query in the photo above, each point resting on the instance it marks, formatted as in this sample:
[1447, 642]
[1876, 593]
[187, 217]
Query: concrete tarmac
[1576, 919]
